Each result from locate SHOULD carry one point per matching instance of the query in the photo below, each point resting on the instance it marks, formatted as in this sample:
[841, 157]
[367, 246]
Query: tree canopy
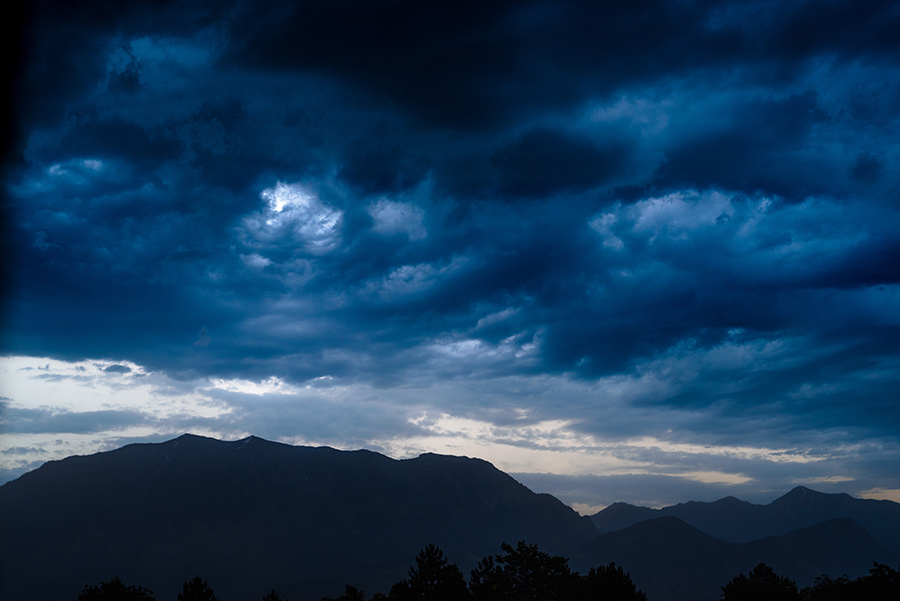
[610, 583]
[761, 583]
[525, 573]
[881, 584]
[522, 573]
[115, 590]
[433, 578]
[196, 590]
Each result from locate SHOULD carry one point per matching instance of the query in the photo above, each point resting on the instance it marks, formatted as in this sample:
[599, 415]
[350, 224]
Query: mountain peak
[730, 501]
[255, 440]
[188, 437]
[190, 440]
[803, 496]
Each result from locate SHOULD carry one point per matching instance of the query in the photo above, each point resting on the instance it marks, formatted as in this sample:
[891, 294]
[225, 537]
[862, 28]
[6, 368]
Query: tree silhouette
[883, 582]
[115, 590]
[761, 583]
[433, 578]
[829, 589]
[610, 583]
[272, 596]
[350, 594]
[196, 590]
[523, 573]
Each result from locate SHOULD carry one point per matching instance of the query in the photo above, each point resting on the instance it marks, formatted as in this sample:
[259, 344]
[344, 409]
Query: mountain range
[671, 560]
[252, 515]
[733, 520]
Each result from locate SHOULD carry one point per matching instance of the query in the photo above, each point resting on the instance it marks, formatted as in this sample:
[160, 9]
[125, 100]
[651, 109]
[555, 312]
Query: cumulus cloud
[293, 215]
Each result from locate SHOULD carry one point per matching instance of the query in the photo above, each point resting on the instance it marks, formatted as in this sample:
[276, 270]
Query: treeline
[762, 583]
[524, 573]
[116, 590]
[520, 573]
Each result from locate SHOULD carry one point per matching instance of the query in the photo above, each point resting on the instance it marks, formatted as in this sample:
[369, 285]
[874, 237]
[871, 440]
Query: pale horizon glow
[520, 445]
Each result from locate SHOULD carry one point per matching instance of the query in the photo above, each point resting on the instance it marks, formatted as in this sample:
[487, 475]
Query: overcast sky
[636, 251]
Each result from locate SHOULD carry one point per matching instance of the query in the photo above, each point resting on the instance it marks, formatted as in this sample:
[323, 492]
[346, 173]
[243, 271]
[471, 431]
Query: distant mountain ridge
[671, 560]
[733, 520]
[250, 515]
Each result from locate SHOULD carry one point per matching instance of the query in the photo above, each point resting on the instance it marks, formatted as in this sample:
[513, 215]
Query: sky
[625, 251]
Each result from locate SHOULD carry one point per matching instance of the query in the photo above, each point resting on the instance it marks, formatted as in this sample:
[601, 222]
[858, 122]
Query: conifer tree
[433, 578]
[196, 590]
[610, 583]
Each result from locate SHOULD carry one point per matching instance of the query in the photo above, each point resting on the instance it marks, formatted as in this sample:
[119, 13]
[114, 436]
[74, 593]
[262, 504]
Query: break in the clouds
[631, 246]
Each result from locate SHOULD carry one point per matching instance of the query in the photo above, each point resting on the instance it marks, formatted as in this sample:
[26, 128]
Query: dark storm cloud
[754, 151]
[480, 65]
[379, 163]
[543, 162]
[397, 191]
[39, 421]
[867, 168]
[117, 140]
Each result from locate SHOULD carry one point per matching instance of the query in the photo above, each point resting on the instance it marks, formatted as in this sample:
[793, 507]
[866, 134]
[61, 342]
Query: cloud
[43, 421]
[22, 450]
[397, 217]
[591, 454]
[543, 162]
[293, 216]
[614, 217]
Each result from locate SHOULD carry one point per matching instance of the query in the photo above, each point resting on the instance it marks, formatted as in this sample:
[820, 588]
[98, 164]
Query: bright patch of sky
[294, 214]
[125, 402]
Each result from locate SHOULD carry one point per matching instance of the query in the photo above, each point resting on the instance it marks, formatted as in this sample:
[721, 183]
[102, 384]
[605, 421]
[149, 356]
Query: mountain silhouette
[733, 520]
[252, 514]
[671, 560]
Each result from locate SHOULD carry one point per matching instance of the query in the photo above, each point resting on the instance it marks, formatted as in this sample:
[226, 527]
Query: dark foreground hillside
[255, 514]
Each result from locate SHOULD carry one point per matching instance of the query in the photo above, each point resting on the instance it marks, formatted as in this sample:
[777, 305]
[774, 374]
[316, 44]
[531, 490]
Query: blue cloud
[558, 189]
